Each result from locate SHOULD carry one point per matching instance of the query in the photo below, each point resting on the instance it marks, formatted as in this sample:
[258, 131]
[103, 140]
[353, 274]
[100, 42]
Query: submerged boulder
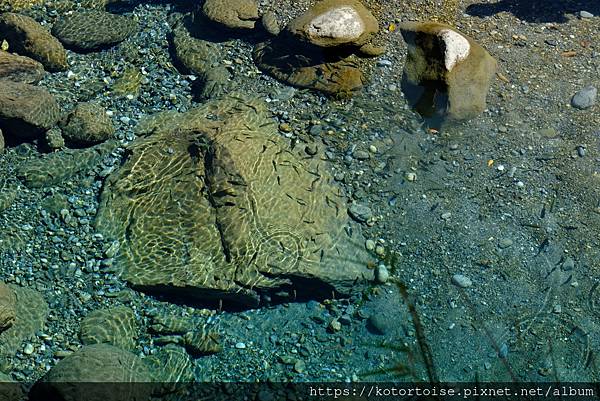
[215, 205]
[28, 38]
[20, 68]
[93, 30]
[26, 110]
[115, 326]
[447, 75]
[232, 14]
[87, 125]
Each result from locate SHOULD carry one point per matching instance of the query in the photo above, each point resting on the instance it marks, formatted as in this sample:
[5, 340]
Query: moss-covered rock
[28, 38]
[93, 30]
[8, 303]
[114, 326]
[20, 69]
[232, 14]
[87, 125]
[216, 205]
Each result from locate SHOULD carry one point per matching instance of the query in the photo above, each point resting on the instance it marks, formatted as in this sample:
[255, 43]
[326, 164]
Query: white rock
[457, 47]
[339, 23]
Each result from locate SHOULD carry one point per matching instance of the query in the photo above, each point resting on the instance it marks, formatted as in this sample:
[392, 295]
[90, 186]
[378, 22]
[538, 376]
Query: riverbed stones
[87, 125]
[232, 14]
[115, 326]
[20, 68]
[8, 312]
[215, 205]
[26, 110]
[332, 23]
[69, 379]
[27, 37]
[447, 74]
[93, 30]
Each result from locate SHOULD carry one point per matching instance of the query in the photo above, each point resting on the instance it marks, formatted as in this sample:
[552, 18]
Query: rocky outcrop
[28, 38]
[87, 125]
[26, 110]
[20, 69]
[227, 211]
[93, 30]
[447, 74]
[318, 49]
[231, 14]
[56, 167]
[114, 326]
[83, 376]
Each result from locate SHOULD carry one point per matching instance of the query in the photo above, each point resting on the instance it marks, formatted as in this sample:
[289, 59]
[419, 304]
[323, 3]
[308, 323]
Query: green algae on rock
[28, 38]
[215, 205]
[56, 167]
[93, 30]
[114, 326]
[87, 125]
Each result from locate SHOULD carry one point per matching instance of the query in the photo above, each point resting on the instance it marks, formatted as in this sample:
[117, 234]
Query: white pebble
[28, 350]
[461, 281]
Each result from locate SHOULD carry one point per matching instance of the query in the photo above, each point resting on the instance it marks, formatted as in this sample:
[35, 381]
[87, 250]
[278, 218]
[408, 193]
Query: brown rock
[1, 141]
[20, 69]
[447, 74]
[28, 38]
[8, 310]
[87, 124]
[26, 110]
[233, 14]
[332, 23]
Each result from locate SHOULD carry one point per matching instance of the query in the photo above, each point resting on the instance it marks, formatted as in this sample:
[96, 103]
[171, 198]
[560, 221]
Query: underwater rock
[232, 14]
[20, 69]
[8, 311]
[1, 141]
[211, 83]
[26, 110]
[54, 139]
[447, 75]
[114, 326]
[87, 125]
[332, 23]
[28, 38]
[93, 30]
[170, 365]
[309, 68]
[215, 205]
[584, 98]
[270, 23]
[73, 378]
[8, 193]
[31, 313]
[11, 390]
[56, 167]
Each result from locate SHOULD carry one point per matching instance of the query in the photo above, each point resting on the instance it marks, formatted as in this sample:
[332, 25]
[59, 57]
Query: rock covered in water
[11, 390]
[56, 167]
[447, 75]
[27, 37]
[87, 125]
[31, 312]
[171, 365]
[8, 311]
[26, 110]
[232, 14]
[93, 30]
[216, 205]
[84, 375]
[335, 22]
[1, 141]
[20, 68]
[114, 326]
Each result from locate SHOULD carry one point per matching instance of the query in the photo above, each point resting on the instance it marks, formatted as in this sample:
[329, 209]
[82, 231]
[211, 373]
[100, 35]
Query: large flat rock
[214, 204]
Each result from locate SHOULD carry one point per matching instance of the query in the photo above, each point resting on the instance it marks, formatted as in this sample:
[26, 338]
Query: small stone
[557, 308]
[240, 345]
[379, 250]
[360, 212]
[299, 366]
[411, 177]
[28, 350]
[505, 243]
[461, 281]
[581, 151]
[585, 98]
[335, 325]
[372, 149]
[370, 245]
[270, 23]
[446, 216]
[311, 149]
[585, 14]
[568, 264]
[381, 274]
[360, 155]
